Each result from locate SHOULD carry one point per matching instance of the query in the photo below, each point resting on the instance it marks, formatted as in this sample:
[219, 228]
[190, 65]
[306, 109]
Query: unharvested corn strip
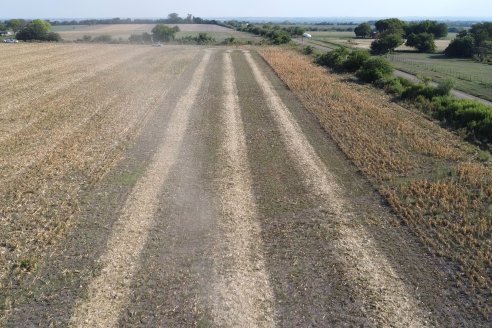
[364, 264]
[109, 292]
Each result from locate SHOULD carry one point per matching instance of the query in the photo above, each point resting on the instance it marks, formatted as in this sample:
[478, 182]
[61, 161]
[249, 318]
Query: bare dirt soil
[226, 204]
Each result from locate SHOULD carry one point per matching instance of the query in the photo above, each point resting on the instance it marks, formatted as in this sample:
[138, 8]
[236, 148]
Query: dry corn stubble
[70, 141]
[423, 171]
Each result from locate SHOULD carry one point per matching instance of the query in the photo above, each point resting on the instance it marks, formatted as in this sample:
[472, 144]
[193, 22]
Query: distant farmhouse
[3, 33]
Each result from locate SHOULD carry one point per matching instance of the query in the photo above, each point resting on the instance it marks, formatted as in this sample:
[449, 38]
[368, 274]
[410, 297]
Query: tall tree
[424, 42]
[364, 30]
[387, 43]
[391, 26]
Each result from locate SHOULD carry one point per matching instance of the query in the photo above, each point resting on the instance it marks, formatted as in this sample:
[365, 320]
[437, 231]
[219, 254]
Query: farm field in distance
[123, 31]
[228, 186]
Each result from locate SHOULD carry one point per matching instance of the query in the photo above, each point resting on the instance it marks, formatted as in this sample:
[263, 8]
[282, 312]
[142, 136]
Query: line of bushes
[469, 116]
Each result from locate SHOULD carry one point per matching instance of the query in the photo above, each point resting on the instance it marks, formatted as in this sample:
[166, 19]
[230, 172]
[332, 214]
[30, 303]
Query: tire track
[385, 294]
[244, 292]
[109, 293]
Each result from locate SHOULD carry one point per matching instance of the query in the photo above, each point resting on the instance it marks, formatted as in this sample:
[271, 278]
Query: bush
[356, 59]
[375, 68]
[103, 38]
[444, 87]
[471, 115]
[393, 85]
[334, 59]
[308, 50]
[427, 91]
[386, 44]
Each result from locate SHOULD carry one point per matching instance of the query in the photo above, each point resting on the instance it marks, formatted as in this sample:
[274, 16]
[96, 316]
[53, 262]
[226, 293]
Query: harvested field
[188, 186]
[432, 180]
[66, 117]
[123, 31]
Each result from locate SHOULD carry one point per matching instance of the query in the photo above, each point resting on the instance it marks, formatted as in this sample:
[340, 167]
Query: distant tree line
[172, 18]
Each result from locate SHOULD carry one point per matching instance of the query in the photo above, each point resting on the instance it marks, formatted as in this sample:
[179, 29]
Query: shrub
[427, 91]
[334, 59]
[375, 68]
[103, 38]
[356, 59]
[417, 90]
[444, 87]
[308, 50]
[475, 117]
[393, 85]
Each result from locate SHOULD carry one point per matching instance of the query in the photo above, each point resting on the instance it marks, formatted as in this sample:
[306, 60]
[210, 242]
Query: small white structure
[307, 36]
[11, 41]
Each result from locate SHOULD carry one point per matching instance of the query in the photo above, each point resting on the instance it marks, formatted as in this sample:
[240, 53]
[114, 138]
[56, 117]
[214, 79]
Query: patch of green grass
[130, 178]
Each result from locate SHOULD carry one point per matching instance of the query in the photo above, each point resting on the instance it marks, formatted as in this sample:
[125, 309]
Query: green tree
[424, 42]
[38, 30]
[386, 44]
[438, 30]
[16, 24]
[391, 26]
[364, 30]
[164, 33]
[481, 32]
[461, 47]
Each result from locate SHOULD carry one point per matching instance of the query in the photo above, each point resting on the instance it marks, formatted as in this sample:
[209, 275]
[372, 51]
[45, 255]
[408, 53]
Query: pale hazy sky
[250, 8]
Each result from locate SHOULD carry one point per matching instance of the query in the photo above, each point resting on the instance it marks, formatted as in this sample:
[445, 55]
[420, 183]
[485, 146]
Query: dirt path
[234, 209]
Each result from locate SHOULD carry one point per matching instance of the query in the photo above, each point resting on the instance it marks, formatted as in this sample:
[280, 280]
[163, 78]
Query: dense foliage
[38, 30]
[474, 117]
[423, 42]
[475, 42]
[438, 30]
[461, 47]
[375, 68]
